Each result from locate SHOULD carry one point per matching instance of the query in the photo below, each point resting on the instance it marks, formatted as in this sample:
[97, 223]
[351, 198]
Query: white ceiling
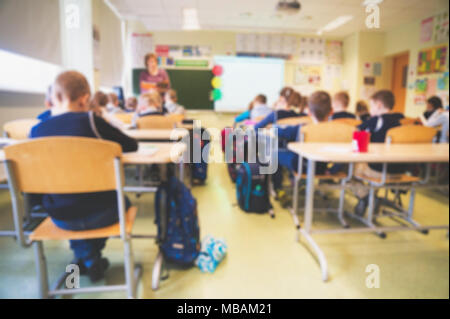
[260, 15]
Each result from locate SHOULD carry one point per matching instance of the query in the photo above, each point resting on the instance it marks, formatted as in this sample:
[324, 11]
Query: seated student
[319, 105]
[340, 106]
[260, 107]
[437, 117]
[81, 211]
[383, 119]
[113, 104]
[246, 114]
[291, 108]
[171, 99]
[98, 103]
[48, 105]
[131, 104]
[362, 111]
[150, 103]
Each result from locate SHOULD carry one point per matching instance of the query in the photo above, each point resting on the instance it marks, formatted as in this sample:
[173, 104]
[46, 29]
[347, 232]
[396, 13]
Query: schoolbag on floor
[200, 170]
[178, 228]
[252, 189]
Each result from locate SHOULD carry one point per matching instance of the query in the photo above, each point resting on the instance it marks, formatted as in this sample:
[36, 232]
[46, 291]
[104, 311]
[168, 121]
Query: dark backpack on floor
[252, 189]
[178, 228]
[200, 170]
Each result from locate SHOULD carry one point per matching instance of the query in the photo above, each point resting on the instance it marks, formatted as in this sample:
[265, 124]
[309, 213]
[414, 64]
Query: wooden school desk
[342, 153]
[147, 153]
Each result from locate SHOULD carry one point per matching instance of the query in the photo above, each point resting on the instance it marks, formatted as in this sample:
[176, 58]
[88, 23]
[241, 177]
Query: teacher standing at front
[153, 78]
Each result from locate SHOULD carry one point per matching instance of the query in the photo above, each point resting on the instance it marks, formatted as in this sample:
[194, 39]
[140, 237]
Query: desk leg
[294, 210]
[309, 207]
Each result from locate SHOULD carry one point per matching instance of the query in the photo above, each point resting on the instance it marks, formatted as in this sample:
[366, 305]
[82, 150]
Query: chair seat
[339, 175]
[400, 180]
[47, 230]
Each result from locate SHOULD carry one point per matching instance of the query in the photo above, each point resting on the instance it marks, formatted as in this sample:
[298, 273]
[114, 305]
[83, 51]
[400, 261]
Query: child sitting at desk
[340, 104]
[171, 99]
[258, 108]
[362, 111]
[319, 104]
[81, 211]
[437, 116]
[149, 104]
[383, 119]
[292, 108]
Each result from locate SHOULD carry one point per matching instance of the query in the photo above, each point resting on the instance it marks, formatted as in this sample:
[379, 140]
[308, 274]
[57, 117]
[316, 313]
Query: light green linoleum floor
[264, 259]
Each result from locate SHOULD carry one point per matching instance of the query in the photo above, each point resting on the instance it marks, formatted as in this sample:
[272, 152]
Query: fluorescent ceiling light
[190, 19]
[369, 2]
[336, 23]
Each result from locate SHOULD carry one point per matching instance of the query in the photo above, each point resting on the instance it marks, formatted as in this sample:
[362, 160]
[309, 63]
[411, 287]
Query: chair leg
[41, 269]
[341, 206]
[129, 268]
[371, 210]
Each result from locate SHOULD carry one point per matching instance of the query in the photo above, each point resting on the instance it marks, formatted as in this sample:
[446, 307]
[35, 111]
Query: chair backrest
[327, 132]
[348, 121]
[125, 118]
[19, 129]
[155, 122]
[176, 118]
[410, 134]
[293, 121]
[63, 165]
[408, 121]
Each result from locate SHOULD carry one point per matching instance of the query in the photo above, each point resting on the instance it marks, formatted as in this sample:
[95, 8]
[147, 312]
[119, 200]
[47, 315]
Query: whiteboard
[245, 77]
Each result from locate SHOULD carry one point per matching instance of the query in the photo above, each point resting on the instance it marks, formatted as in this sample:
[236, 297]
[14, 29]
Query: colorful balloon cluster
[216, 82]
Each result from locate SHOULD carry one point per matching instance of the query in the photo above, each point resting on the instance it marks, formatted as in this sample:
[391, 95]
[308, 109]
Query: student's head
[381, 102]
[48, 97]
[171, 96]
[98, 101]
[151, 62]
[361, 107]
[434, 103]
[340, 101]
[113, 99]
[131, 103]
[70, 93]
[285, 94]
[319, 104]
[295, 101]
[260, 99]
[151, 99]
[304, 104]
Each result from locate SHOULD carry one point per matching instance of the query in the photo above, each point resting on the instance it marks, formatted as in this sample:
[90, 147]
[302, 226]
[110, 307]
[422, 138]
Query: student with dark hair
[319, 104]
[437, 117]
[362, 111]
[82, 211]
[381, 106]
[340, 104]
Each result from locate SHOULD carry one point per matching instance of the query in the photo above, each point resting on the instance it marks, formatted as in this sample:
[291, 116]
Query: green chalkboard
[193, 87]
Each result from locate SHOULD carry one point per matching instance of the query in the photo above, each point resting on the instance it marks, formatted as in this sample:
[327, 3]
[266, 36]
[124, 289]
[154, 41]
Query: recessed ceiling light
[190, 19]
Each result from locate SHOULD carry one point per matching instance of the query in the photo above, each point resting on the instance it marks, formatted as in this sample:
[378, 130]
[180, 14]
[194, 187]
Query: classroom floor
[264, 260]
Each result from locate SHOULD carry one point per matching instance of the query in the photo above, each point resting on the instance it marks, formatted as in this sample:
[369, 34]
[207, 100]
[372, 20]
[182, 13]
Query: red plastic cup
[361, 140]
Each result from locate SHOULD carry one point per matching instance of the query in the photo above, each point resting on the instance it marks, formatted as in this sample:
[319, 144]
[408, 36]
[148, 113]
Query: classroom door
[400, 80]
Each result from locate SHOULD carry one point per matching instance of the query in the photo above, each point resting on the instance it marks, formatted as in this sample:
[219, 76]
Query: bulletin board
[432, 60]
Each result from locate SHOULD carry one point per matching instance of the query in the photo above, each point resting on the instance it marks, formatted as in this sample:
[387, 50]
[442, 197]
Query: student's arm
[243, 116]
[289, 133]
[109, 132]
[265, 121]
[436, 119]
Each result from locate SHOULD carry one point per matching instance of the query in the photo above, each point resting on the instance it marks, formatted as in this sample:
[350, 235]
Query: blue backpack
[178, 229]
[252, 189]
[200, 170]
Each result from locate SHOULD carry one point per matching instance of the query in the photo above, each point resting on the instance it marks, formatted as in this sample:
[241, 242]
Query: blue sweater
[75, 206]
[44, 115]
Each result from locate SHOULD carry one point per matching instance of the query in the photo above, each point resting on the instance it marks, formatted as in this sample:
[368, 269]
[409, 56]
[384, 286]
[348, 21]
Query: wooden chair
[125, 118]
[405, 134]
[67, 165]
[352, 122]
[411, 134]
[155, 122]
[19, 129]
[176, 118]
[325, 132]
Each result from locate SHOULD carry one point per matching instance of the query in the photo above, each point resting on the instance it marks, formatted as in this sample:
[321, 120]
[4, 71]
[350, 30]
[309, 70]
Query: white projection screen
[245, 77]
